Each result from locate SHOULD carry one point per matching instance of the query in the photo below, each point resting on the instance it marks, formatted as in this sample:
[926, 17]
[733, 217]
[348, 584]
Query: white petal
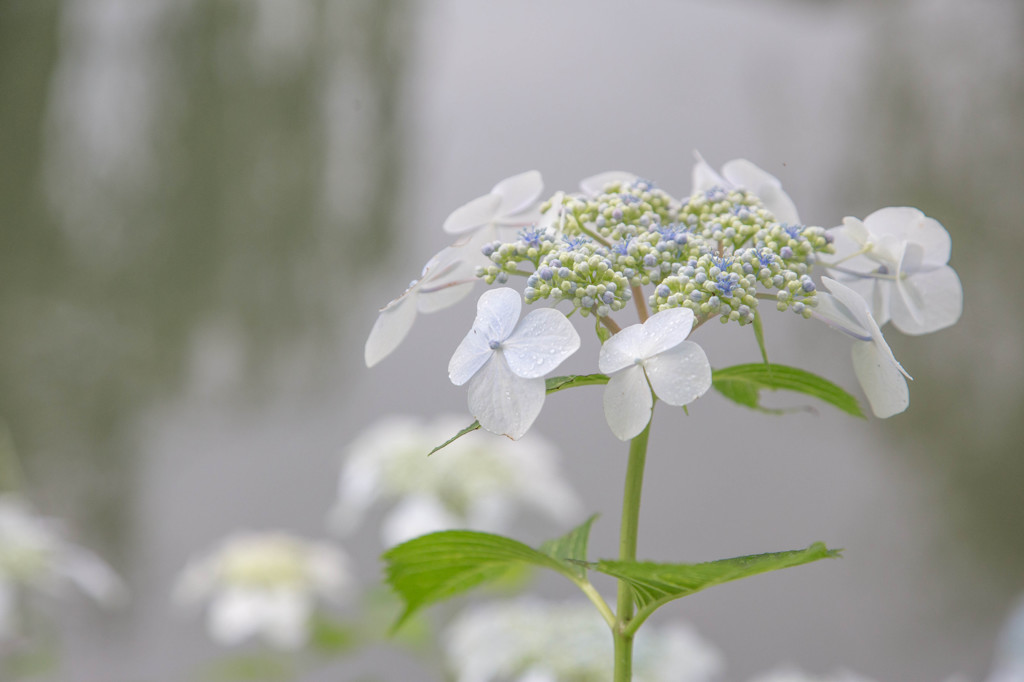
[416, 515]
[286, 617]
[927, 301]
[391, 328]
[503, 402]
[93, 576]
[622, 350]
[628, 402]
[540, 342]
[680, 375]
[496, 314]
[595, 184]
[854, 307]
[704, 176]
[765, 186]
[906, 223]
[473, 214]
[469, 357]
[665, 330]
[444, 296]
[880, 378]
[235, 614]
[518, 192]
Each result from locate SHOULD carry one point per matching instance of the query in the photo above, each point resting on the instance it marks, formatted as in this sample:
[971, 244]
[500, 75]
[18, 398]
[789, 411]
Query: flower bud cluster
[712, 253]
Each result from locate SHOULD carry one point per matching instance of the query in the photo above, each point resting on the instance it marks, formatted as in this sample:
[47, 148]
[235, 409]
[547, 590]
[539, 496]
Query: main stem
[627, 552]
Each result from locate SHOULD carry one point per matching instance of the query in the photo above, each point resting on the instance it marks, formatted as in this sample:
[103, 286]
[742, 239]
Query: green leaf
[759, 335]
[437, 566]
[555, 384]
[571, 547]
[469, 429]
[743, 384]
[655, 584]
[552, 385]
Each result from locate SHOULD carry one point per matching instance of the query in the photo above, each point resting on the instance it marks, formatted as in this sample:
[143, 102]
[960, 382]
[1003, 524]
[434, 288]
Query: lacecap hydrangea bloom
[35, 556]
[264, 585]
[529, 640]
[733, 244]
[478, 483]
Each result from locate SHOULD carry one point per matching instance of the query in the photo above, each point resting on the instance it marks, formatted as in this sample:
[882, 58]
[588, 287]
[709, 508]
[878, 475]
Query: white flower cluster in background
[735, 241]
[475, 483]
[530, 640]
[266, 585]
[35, 556]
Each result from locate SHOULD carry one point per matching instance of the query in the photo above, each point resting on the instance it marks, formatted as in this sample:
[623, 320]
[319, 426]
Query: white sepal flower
[504, 363]
[447, 278]
[264, 584]
[477, 482]
[896, 258]
[511, 203]
[595, 184]
[529, 640]
[882, 378]
[654, 355]
[794, 675]
[742, 174]
[35, 555]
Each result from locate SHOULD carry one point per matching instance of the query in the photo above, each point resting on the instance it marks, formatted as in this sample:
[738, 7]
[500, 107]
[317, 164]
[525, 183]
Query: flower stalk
[628, 531]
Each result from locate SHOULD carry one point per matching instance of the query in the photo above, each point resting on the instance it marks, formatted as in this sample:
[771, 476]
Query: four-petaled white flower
[529, 640]
[447, 278]
[896, 258]
[882, 378]
[504, 362]
[742, 174]
[477, 482]
[652, 355]
[35, 555]
[264, 584]
[511, 203]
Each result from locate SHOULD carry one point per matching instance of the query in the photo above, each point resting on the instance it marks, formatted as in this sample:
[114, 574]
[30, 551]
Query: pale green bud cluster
[713, 253]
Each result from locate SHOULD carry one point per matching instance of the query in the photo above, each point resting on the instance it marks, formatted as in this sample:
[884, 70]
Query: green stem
[627, 552]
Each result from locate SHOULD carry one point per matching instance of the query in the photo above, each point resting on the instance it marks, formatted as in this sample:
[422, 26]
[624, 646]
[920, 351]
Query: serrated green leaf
[552, 385]
[743, 384]
[654, 584]
[571, 547]
[440, 565]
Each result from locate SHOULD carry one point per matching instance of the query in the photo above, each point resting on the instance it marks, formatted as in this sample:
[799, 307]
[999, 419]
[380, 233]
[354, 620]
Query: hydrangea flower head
[34, 555]
[651, 356]
[504, 360]
[740, 173]
[897, 259]
[264, 584]
[476, 482]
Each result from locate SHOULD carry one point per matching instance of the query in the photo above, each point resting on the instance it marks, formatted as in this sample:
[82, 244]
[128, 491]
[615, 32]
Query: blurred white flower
[264, 584]
[793, 675]
[1008, 665]
[896, 258]
[742, 174]
[35, 555]
[477, 482]
[529, 640]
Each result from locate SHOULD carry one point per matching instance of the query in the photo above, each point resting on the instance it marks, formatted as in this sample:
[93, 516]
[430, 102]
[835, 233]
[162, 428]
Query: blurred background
[203, 205]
